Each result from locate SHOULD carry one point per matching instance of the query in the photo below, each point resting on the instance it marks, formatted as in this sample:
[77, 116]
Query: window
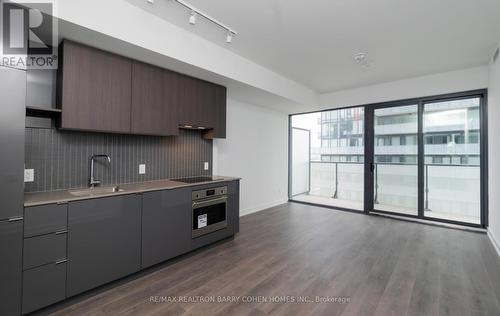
[437, 160]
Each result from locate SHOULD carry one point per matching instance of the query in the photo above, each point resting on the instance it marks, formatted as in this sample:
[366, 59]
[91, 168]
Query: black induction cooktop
[194, 179]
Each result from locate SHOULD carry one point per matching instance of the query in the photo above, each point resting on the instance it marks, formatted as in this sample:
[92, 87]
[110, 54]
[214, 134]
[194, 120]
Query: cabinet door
[187, 101]
[45, 219]
[219, 115]
[166, 229]
[11, 254]
[154, 101]
[196, 102]
[43, 286]
[94, 89]
[233, 205]
[206, 104]
[104, 241]
[12, 117]
[220, 112]
[45, 249]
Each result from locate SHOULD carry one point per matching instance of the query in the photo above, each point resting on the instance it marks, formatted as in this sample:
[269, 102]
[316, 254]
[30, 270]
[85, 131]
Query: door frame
[483, 150]
[290, 159]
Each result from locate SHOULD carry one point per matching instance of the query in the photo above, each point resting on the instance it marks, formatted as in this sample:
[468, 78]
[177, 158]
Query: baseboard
[495, 243]
[262, 207]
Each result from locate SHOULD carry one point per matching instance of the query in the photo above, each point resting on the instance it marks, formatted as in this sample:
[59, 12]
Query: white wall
[256, 149]
[494, 151]
[442, 83]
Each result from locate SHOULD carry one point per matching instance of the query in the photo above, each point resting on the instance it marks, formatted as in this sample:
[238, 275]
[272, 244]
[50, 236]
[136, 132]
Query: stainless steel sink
[96, 191]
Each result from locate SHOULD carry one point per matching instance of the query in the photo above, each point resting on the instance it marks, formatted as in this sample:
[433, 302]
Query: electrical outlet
[29, 175]
[142, 168]
[206, 165]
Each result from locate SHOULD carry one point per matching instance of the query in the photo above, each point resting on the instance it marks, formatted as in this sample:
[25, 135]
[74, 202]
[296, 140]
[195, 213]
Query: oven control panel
[208, 193]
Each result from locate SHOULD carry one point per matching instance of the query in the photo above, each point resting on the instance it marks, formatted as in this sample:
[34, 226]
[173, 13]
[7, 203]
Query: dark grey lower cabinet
[166, 225]
[45, 219]
[11, 254]
[44, 249]
[233, 205]
[104, 241]
[44, 286]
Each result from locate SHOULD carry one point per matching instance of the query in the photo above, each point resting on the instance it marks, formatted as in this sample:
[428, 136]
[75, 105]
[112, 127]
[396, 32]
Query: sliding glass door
[423, 158]
[426, 158]
[335, 158]
[452, 175]
[395, 162]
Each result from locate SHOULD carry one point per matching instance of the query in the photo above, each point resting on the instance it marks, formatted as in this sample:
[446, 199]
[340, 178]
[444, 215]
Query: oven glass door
[209, 216]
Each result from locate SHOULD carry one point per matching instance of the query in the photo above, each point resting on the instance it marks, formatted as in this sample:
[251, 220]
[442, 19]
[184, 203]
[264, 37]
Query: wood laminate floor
[378, 266]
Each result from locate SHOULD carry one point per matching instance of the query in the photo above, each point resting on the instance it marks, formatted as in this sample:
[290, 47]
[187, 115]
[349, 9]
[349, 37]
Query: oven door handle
[198, 204]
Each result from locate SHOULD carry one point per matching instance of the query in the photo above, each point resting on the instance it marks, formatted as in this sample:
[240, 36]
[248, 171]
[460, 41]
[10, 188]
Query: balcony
[452, 192]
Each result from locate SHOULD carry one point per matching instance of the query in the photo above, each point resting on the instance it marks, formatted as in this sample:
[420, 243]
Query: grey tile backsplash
[60, 158]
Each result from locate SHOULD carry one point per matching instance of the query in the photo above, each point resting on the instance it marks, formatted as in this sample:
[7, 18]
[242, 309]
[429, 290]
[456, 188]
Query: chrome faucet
[92, 181]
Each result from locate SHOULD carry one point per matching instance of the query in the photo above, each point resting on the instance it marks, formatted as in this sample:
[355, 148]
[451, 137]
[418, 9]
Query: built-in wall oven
[209, 211]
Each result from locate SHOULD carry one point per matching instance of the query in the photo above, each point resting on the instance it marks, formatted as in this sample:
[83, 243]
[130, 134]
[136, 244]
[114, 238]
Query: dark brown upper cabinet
[94, 89]
[202, 104]
[196, 102]
[154, 101]
[103, 92]
[220, 112]
[219, 115]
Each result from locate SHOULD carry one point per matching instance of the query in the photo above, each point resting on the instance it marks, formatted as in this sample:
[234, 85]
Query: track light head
[229, 37]
[192, 18]
[362, 59]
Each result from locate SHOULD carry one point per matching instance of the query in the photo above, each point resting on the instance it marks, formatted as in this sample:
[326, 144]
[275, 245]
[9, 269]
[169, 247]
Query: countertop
[64, 196]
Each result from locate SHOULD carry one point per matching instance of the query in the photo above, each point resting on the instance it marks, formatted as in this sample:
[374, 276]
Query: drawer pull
[61, 232]
[15, 219]
[61, 261]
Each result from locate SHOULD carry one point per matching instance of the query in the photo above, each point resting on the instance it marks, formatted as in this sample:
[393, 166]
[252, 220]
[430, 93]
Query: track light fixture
[229, 37]
[362, 59]
[192, 18]
[230, 33]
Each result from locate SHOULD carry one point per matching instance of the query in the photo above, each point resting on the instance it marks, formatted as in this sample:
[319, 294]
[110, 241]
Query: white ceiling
[313, 42]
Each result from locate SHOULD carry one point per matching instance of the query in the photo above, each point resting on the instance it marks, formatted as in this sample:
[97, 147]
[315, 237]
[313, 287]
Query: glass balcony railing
[451, 191]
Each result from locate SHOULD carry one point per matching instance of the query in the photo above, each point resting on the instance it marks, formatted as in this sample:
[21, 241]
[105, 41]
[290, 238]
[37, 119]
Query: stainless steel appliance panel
[209, 211]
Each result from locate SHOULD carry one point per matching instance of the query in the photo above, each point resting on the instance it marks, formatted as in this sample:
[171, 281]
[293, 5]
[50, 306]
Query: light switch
[206, 165]
[142, 169]
[29, 175]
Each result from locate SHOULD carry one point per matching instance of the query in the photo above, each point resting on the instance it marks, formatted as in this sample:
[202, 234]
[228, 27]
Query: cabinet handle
[15, 219]
[61, 261]
[210, 201]
[61, 232]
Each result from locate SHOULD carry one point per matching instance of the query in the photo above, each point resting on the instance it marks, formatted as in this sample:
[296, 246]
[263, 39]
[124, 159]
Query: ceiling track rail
[206, 16]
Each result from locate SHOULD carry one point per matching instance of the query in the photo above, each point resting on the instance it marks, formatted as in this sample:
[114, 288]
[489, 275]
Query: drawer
[211, 238]
[43, 286]
[44, 249]
[45, 219]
